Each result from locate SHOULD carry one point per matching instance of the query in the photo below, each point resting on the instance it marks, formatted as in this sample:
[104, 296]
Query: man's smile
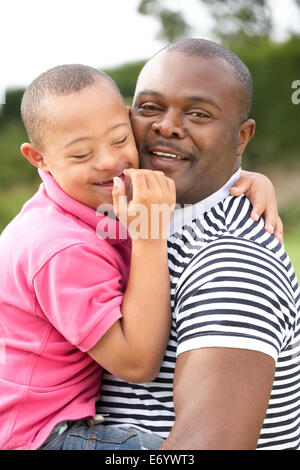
[166, 157]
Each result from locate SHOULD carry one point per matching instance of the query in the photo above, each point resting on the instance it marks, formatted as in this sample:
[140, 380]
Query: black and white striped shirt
[232, 285]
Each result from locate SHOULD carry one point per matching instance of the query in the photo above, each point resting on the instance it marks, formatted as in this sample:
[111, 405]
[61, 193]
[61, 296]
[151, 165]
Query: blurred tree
[173, 24]
[126, 76]
[12, 106]
[238, 22]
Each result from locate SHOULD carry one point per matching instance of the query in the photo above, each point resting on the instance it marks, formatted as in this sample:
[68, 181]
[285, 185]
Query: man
[230, 376]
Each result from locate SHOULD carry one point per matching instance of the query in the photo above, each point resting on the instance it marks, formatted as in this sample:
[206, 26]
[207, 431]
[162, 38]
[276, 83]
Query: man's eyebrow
[205, 100]
[149, 92]
[109, 129]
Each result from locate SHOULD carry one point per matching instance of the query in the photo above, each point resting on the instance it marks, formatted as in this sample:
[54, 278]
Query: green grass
[292, 246]
[12, 200]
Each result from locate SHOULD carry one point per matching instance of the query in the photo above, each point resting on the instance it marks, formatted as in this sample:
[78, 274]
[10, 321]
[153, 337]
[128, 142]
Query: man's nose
[169, 126]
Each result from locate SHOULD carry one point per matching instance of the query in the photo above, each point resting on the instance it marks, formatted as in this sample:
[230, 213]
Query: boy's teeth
[169, 155]
[106, 182]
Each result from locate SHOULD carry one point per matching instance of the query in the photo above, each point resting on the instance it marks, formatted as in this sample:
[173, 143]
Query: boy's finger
[278, 232]
[119, 188]
[239, 187]
[270, 217]
[139, 185]
[156, 181]
[258, 206]
[119, 197]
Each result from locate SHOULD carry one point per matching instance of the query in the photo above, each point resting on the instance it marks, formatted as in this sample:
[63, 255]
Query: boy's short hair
[60, 80]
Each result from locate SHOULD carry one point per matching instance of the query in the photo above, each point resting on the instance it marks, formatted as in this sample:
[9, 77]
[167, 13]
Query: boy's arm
[260, 191]
[133, 347]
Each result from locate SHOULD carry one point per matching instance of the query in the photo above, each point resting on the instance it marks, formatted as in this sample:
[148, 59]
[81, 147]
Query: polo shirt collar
[185, 215]
[88, 215]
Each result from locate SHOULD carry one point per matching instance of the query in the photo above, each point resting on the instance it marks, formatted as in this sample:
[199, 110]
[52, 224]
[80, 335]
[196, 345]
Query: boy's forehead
[95, 110]
[101, 95]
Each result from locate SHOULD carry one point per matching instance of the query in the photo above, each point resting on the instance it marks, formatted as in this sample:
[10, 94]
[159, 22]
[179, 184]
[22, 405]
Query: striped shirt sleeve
[233, 294]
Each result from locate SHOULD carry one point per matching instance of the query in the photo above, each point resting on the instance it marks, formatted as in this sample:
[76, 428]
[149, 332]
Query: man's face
[186, 121]
[91, 143]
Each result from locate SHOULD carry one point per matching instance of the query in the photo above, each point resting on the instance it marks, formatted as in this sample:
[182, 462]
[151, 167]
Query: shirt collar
[185, 215]
[109, 229]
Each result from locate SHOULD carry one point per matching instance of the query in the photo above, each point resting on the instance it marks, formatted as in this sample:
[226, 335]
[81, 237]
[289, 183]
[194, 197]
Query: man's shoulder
[226, 228]
[234, 245]
[227, 224]
[238, 226]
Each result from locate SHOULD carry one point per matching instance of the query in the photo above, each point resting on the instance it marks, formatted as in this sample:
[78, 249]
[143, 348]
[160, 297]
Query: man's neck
[185, 214]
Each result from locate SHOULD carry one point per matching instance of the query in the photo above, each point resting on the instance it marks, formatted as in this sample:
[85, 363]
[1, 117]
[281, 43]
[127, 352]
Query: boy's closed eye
[121, 141]
[78, 157]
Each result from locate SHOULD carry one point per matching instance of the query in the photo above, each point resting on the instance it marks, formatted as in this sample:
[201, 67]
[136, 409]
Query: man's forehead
[181, 67]
[189, 75]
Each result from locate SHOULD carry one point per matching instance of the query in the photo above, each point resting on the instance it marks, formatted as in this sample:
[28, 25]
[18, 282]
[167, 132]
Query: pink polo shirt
[61, 287]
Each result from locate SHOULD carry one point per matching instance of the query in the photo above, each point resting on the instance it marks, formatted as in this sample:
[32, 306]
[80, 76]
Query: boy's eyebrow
[79, 139]
[199, 99]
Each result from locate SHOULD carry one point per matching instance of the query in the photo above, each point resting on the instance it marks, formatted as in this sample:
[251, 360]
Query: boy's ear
[129, 110]
[33, 156]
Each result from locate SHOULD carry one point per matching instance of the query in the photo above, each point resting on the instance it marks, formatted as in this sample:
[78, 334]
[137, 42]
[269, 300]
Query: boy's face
[89, 143]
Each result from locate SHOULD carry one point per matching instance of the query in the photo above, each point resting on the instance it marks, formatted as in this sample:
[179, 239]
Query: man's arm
[220, 398]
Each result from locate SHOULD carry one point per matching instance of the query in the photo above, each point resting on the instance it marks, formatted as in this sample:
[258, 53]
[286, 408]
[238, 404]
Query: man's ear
[246, 132]
[33, 156]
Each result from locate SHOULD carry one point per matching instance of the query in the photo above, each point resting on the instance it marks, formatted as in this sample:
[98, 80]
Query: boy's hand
[260, 191]
[147, 215]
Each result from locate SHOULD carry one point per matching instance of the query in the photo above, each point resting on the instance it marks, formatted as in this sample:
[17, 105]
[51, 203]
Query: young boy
[73, 302]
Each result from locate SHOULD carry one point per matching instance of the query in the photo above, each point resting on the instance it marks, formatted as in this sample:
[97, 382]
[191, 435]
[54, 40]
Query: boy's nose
[106, 161]
[112, 164]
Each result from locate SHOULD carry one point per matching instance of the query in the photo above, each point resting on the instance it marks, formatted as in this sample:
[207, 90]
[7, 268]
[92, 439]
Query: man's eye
[148, 107]
[199, 114]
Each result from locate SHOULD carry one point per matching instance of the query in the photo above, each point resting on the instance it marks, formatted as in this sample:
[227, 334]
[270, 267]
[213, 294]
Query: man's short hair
[212, 50]
[60, 80]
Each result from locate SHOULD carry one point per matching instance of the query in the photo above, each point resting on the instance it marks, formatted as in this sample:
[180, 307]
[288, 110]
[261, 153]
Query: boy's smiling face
[88, 142]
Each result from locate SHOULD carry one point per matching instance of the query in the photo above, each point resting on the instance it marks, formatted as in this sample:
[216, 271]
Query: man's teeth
[168, 155]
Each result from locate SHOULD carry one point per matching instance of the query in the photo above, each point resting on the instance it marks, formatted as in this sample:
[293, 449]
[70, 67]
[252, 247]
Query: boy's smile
[89, 141]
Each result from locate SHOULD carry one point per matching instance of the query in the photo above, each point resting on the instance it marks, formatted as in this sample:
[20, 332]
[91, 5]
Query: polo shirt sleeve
[236, 296]
[80, 291]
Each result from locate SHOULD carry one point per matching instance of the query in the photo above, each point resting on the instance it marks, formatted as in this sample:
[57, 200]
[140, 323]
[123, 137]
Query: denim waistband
[61, 427]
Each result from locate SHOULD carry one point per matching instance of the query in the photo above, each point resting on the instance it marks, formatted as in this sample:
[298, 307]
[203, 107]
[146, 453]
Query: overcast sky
[38, 34]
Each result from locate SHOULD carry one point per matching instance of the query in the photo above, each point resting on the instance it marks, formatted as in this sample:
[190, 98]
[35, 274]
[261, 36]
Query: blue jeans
[81, 435]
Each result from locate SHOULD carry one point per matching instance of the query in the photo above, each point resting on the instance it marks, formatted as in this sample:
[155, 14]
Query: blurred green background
[244, 27]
